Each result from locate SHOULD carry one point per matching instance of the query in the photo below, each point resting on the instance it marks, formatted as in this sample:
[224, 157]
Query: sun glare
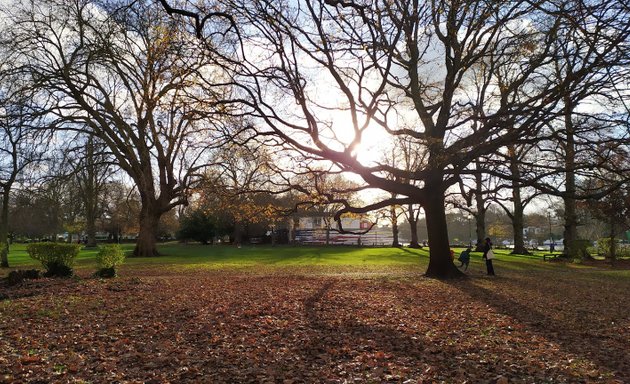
[374, 140]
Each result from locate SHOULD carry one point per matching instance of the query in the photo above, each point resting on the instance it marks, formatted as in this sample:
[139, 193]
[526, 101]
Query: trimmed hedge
[109, 256]
[57, 258]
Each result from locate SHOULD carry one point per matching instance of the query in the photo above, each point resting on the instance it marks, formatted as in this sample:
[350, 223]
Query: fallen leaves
[298, 326]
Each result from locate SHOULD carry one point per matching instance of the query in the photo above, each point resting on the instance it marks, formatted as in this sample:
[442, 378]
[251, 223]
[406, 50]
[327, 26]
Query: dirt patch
[621, 264]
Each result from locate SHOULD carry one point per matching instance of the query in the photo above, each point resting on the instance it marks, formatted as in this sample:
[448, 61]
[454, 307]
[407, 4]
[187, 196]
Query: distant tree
[614, 208]
[197, 225]
[233, 190]
[168, 226]
[394, 214]
[37, 211]
[91, 170]
[121, 207]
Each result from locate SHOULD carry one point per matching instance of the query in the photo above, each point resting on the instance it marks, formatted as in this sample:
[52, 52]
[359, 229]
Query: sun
[375, 141]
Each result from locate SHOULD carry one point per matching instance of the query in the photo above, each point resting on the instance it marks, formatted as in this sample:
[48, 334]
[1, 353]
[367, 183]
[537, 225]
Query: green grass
[194, 256]
[208, 255]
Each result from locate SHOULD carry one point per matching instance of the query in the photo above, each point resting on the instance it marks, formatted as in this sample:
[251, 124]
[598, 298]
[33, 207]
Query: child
[464, 258]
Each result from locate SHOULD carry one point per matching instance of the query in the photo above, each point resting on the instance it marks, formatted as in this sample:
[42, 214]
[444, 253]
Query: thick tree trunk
[480, 216]
[147, 238]
[440, 263]
[395, 241]
[413, 226]
[517, 215]
[480, 228]
[4, 229]
[517, 226]
[90, 229]
[570, 225]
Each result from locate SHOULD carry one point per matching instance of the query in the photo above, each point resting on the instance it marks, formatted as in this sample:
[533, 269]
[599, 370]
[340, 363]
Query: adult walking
[488, 255]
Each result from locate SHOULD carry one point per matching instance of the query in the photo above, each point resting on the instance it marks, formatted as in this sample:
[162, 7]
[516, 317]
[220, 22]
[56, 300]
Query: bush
[579, 249]
[16, 277]
[109, 256]
[105, 273]
[57, 258]
[603, 248]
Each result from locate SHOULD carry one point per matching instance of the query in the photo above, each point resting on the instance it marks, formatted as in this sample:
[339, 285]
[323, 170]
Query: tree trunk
[570, 224]
[480, 216]
[480, 228]
[440, 262]
[395, 241]
[413, 226]
[237, 234]
[613, 245]
[570, 216]
[90, 228]
[517, 226]
[90, 193]
[147, 238]
[4, 229]
[517, 215]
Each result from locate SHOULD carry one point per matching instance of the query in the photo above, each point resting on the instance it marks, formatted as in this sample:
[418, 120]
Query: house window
[317, 221]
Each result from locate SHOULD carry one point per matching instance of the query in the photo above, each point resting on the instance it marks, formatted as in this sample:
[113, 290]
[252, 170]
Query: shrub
[579, 249]
[109, 256]
[57, 258]
[603, 248]
[16, 277]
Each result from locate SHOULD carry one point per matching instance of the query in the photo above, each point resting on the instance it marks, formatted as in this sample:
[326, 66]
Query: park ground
[305, 314]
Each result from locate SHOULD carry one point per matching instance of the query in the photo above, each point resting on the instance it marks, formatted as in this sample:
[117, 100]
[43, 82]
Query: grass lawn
[208, 256]
[316, 314]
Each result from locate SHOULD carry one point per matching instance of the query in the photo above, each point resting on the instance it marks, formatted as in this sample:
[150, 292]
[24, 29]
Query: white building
[320, 230]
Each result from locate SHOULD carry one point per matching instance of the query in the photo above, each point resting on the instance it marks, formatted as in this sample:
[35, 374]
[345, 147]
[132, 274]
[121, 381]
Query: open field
[308, 314]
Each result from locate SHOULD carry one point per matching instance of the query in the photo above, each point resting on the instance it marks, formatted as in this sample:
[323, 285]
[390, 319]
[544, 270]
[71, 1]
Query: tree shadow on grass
[370, 348]
[564, 314]
[423, 351]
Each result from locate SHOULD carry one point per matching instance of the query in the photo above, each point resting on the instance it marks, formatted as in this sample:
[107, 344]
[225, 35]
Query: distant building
[314, 229]
[533, 231]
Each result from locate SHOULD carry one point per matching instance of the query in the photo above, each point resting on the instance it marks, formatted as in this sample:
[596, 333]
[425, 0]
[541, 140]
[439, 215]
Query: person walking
[488, 255]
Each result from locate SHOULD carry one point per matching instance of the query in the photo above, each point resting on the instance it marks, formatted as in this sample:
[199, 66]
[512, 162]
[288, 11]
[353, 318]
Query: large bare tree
[123, 71]
[305, 63]
[19, 148]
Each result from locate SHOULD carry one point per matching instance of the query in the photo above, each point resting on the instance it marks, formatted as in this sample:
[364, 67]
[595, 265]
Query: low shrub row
[16, 277]
[109, 256]
[58, 258]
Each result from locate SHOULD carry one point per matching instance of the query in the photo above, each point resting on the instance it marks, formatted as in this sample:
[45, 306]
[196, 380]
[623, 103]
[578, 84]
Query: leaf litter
[325, 325]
